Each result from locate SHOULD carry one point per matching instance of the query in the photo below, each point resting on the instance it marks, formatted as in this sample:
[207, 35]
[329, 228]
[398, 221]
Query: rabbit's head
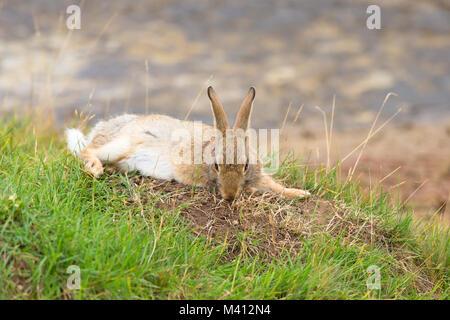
[231, 177]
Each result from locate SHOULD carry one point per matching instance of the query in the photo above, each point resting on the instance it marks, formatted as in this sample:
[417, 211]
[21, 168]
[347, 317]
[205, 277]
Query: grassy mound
[135, 237]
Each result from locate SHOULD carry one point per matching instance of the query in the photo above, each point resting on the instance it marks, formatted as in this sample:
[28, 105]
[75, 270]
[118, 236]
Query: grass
[136, 238]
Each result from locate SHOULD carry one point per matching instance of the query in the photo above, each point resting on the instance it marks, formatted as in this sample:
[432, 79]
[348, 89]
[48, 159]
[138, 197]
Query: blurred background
[159, 57]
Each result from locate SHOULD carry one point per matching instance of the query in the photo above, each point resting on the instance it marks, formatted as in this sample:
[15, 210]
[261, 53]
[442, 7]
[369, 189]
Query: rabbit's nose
[229, 197]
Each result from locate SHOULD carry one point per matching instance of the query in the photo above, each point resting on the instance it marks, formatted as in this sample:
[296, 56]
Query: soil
[271, 225]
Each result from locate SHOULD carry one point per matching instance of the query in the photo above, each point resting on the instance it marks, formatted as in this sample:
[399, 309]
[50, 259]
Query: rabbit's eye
[216, 166]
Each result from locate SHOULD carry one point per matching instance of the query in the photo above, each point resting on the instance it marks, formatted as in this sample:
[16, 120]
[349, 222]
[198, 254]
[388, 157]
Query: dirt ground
[242, 224]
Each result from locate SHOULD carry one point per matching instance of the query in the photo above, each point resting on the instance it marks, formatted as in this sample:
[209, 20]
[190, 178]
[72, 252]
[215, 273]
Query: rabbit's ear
[220, 118]
[243, 117]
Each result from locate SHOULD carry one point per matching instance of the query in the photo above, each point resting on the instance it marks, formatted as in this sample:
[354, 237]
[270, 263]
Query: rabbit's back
[105, 130]
[136, 127]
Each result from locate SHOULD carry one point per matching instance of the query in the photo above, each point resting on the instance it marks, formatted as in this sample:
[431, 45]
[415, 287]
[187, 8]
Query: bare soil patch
[264, 225]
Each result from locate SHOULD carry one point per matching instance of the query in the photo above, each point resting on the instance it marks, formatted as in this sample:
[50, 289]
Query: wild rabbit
[161, 147]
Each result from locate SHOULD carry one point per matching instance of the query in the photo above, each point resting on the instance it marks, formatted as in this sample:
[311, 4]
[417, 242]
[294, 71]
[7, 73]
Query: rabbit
[146, 143]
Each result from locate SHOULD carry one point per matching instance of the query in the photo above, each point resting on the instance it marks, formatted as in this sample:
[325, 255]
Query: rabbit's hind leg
[111, 152]
[92, 164]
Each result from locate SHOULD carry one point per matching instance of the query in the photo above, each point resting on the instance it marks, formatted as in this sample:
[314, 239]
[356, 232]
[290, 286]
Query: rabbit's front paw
[94, 167]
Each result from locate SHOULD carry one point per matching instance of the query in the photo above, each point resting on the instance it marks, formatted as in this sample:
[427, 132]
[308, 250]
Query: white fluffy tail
[75, 140]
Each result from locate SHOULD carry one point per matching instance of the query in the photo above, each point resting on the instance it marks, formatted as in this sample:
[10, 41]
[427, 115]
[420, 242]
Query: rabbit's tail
[75, 140]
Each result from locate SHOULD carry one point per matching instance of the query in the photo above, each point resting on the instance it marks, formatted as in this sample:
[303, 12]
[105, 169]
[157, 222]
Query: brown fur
[129, 132]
